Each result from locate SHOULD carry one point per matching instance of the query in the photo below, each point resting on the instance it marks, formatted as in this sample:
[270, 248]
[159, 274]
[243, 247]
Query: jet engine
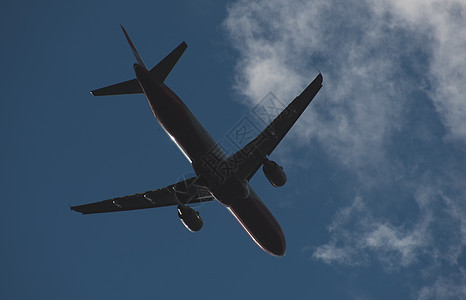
[190, 218]
[274, 173]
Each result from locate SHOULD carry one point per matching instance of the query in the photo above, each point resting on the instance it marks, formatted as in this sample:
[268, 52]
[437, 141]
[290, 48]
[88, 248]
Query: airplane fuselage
[209, 162]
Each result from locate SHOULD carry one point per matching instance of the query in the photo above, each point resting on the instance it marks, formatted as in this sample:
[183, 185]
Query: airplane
[218, 176]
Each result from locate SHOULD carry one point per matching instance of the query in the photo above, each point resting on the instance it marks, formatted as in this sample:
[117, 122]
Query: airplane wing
[186, 191]
[248, 160]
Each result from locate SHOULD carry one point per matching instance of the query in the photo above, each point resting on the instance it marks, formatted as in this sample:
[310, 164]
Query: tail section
[159, 72]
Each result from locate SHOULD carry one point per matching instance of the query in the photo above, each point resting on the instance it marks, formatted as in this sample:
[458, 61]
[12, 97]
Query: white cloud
[356, 234]
[368, 53]
[374, 56]
[446, 23]
[446, 287]
[437, 232]
[364, 85]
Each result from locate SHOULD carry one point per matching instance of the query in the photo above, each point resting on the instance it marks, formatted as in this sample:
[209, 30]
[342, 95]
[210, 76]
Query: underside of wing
[186, 191]
[249, 159]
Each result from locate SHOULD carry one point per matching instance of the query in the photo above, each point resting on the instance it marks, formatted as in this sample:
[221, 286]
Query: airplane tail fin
[159, 72]
[135, 52]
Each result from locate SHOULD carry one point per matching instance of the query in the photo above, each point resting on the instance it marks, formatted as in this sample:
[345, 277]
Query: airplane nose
[277, 246]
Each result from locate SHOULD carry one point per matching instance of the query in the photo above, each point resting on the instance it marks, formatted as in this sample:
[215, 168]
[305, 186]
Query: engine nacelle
[274, 173]
[190, 218]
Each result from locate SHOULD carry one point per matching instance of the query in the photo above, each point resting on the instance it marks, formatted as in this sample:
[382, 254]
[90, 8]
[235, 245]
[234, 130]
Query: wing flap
[186, 191]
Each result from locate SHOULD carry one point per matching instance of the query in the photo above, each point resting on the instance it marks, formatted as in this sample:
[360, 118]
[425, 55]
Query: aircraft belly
[187, 132]
[257, 220]
[178, 121]
[195, 142]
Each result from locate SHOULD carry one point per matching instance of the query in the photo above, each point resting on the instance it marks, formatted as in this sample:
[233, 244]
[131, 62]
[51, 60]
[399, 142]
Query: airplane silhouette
[219, 177]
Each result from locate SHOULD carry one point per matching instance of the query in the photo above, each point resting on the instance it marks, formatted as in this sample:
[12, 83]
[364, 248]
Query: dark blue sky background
[374, 205]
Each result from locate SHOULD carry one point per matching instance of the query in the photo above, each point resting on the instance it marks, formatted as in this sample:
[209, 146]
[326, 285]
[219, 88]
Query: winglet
[135, 52]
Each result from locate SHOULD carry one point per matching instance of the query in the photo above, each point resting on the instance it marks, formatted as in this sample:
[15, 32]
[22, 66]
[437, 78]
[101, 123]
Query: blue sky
[375, 201]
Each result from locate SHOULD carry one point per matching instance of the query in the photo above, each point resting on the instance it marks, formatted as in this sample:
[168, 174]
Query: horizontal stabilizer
[122, 88]
[159, 73]
[163, 68]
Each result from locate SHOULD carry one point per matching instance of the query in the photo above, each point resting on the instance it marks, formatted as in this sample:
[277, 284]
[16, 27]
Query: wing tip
[320, 77]
[124, 30]
[74, 208]
[79, 209]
